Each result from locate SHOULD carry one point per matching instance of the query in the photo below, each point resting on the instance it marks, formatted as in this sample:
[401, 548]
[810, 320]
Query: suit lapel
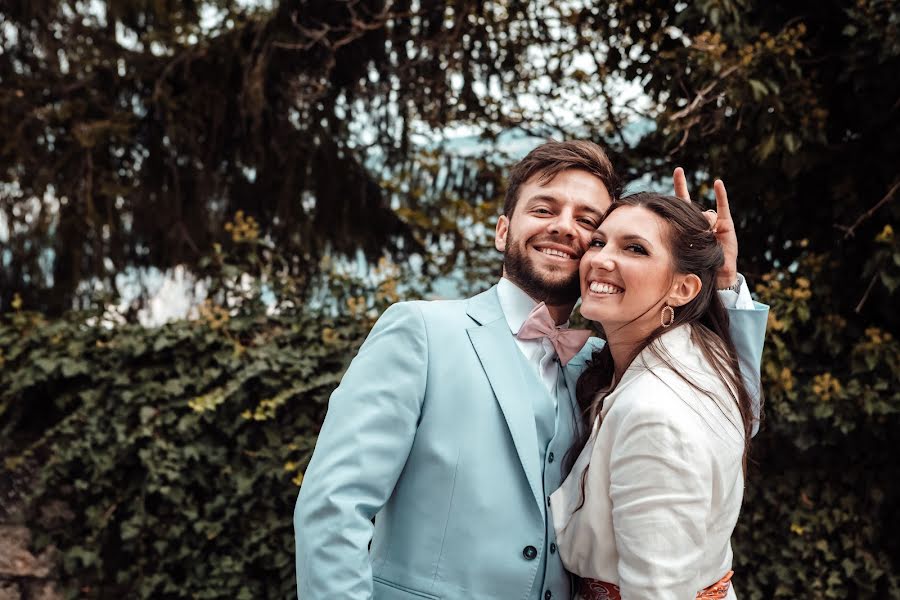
[575, 366]
[573, 370]
[512, 381]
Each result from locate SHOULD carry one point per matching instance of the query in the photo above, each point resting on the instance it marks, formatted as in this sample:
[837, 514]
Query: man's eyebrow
[553, 200]
[543, 198]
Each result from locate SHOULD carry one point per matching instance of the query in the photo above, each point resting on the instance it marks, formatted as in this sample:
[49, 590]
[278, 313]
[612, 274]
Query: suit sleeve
[362, 448]
[660, 477]
[748, 321]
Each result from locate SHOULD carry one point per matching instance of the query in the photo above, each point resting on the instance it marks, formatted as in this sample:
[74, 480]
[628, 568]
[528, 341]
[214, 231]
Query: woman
[650, 503]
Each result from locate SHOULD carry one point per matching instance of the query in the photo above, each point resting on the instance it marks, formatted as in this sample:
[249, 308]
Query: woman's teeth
[605, 288]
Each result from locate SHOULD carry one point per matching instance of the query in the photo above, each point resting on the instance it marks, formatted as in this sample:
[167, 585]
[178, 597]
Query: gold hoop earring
[662, 316]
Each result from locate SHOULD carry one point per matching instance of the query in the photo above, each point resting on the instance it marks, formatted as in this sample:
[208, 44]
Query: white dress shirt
[539, 352]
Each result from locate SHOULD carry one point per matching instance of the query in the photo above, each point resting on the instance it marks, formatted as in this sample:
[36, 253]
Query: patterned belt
[594, 589]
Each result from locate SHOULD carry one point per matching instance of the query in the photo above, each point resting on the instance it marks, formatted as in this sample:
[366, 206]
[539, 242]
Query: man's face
[548, 233]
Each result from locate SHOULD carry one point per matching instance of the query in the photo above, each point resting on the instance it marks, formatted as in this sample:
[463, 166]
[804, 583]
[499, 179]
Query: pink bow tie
[539, 324]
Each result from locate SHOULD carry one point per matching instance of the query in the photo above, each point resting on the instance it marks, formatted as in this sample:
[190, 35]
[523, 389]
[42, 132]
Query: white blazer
[664, 487]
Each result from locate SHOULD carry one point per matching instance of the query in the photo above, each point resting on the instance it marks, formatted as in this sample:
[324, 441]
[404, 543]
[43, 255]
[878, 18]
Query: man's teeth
[553, 252]
[605, 288]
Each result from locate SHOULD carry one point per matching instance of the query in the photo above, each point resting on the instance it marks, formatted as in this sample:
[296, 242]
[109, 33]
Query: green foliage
[818, 518]
[816, 533]
[179, 450]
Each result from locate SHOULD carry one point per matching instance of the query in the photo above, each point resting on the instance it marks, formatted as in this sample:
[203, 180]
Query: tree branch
[850, 231]
[865, 297]
[700, 98]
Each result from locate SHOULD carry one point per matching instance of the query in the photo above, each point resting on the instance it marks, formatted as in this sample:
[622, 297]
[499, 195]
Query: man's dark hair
[550, 159]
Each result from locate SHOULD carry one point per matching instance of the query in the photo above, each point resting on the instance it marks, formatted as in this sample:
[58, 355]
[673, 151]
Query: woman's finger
[722, 207]
[681, 189]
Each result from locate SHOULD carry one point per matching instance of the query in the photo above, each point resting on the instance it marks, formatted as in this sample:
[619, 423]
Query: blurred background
[205, 204]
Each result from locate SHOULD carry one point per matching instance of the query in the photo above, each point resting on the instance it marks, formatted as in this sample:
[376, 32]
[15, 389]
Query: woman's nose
[600, 258]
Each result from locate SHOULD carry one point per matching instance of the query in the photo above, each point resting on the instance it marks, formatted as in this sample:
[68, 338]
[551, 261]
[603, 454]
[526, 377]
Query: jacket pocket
[388, 590]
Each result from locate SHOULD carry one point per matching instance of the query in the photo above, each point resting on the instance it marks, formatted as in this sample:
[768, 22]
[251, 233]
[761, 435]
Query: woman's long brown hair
[695, 250]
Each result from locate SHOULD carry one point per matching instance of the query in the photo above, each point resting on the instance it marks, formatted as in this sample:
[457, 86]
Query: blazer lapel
[511, 379]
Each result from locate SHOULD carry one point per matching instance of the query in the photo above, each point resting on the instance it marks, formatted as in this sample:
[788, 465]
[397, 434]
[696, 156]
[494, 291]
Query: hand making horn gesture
[722, 225]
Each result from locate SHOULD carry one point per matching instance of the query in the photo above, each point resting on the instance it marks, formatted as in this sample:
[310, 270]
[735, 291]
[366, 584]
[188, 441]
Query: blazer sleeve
[361, 450]
[748, 321]
[660, 475]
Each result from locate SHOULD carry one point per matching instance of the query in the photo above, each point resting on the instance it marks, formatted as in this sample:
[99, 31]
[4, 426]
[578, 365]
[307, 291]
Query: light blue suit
[432, 432]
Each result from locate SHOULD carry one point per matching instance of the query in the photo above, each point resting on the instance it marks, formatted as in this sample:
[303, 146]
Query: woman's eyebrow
[634, 237]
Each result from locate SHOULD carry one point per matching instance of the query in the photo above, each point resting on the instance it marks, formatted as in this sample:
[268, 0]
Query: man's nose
[564, 224]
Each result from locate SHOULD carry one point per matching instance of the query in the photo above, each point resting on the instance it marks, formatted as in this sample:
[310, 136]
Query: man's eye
[588, 222]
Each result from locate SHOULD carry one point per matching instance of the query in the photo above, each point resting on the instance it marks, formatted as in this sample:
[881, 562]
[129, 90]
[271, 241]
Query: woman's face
[626, 274]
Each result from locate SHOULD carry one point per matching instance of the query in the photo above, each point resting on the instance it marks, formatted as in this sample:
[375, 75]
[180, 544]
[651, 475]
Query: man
[449, 428]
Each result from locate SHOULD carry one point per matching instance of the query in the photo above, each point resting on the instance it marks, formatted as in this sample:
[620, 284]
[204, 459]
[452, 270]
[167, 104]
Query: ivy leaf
[759, 89]
[767, 147]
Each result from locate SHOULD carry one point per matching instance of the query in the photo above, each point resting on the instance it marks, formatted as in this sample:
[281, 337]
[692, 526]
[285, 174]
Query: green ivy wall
[179, 450]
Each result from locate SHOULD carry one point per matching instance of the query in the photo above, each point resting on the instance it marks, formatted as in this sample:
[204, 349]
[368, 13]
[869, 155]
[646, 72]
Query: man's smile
[557, 251]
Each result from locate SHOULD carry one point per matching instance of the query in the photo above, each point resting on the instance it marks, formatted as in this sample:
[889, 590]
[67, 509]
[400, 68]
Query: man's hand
[722, 225]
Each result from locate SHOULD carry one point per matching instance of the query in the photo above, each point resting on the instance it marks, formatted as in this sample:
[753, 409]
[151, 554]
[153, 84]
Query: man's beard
[520, 271]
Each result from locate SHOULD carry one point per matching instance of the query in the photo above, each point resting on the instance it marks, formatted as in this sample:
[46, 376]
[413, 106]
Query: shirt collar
[515, 304]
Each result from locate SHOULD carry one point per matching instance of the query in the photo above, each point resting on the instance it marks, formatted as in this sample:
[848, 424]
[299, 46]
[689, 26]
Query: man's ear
[500, 233]
[684, 289]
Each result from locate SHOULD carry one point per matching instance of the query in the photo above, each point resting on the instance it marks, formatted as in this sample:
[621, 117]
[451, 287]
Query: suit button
[548, 594]
[548, 500]
[550, 457]
[552, 548]
[529, 552]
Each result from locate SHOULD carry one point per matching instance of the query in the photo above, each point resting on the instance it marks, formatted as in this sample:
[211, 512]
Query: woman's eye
[636, 248]
[596, 243]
